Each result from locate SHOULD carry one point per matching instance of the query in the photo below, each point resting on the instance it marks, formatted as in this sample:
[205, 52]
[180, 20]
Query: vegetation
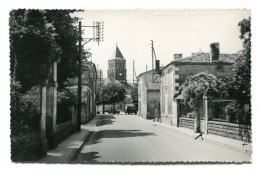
[38, 38]
[111, 93]
[242, 74]
[196, 86]
[66, 100]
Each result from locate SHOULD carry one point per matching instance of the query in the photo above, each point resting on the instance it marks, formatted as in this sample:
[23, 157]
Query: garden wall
[230, 130]
[187, 123]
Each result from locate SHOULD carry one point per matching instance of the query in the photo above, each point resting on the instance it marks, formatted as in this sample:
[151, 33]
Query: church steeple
[117, 66]
[117, 54]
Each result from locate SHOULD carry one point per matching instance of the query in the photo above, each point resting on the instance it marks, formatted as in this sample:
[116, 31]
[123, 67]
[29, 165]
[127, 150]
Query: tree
[242, 67]
[33, 48]
[110, 93]
[37, 39]
[193, 90]
[66, 37]
[242, 75]
[196, 86]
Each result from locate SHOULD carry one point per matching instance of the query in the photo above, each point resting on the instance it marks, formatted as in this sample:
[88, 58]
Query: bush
[21, 109]
[66, 100]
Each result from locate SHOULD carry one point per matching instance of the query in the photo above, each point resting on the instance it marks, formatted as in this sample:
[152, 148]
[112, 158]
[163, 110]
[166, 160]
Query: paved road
[129, 138]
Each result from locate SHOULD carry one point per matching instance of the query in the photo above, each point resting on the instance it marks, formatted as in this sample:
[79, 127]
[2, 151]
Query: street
[129, 138]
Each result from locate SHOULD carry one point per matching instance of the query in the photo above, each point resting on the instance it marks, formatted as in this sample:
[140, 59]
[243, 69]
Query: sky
[172, 31]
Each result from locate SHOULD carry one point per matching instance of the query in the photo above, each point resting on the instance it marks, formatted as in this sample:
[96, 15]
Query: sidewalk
[68, 148]
[229, 143]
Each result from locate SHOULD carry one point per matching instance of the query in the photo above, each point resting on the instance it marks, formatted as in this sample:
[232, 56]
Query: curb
[84, 140]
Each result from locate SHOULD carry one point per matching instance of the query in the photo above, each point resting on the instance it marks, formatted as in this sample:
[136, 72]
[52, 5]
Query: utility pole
[98, 36]
[152, 55]
[146, 68]
[133, 71]
[79, 79]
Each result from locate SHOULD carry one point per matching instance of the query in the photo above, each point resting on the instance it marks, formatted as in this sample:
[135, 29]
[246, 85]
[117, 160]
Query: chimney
[214, 51]
[177, 56]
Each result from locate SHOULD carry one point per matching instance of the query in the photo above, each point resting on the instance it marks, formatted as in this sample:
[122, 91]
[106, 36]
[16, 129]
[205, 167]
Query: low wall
[230, 130]
[28, 148]
[187, 123]
[63, 130]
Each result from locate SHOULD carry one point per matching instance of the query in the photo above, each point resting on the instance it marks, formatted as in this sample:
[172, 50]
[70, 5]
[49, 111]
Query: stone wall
[230, 130]
[187, 123]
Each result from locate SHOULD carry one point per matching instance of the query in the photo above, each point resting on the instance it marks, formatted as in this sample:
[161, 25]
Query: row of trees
[237, 88]
[111, 93]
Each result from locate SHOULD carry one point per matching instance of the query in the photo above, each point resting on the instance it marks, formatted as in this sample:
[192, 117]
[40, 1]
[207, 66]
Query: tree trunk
[103, 109]
[197, 120]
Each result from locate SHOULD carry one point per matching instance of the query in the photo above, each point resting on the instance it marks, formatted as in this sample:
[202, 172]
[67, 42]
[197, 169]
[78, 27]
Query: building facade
[176, 72]
[148, 96]
[89, 82]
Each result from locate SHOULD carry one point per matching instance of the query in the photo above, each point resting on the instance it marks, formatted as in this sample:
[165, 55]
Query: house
[176, 72]
[148, 96]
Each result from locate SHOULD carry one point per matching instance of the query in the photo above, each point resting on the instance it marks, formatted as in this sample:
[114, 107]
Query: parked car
[113, 112]
[131, 110]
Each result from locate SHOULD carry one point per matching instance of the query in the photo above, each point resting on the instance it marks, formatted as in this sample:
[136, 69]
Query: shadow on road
[90, 156]
[122, 133]
[105, 120]
[96, 137]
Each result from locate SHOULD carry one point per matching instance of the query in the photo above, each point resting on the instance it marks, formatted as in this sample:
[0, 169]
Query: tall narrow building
[117, 66]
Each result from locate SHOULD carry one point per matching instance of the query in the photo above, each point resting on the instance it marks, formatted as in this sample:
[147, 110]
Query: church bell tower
[117, 66]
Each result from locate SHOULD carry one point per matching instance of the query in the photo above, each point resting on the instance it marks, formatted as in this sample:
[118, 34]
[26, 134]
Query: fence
[187, 123]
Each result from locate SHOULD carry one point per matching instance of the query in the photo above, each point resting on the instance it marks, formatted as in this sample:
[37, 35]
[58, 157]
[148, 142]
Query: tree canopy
[196, 86]
[242, 67]
[110, 93]
[37, 39]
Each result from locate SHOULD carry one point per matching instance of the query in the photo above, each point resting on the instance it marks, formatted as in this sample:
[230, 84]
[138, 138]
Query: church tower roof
[117, 54]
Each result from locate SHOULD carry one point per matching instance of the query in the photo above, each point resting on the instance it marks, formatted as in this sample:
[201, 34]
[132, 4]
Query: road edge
[84, 139]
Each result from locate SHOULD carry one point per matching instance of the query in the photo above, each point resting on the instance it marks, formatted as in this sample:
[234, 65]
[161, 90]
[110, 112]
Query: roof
[117, 54]
[204, 58]
[148, 72]
[148, 80]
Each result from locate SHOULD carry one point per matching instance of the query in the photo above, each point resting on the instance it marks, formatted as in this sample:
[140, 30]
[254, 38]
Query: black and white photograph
[130, 86]
[153, 87]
